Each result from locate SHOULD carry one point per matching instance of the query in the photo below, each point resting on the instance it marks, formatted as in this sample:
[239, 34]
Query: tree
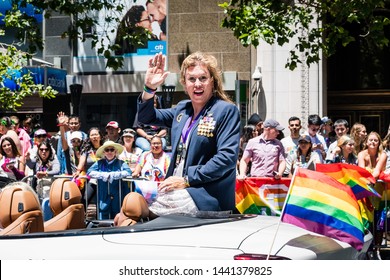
[319, 26]
[26, 31]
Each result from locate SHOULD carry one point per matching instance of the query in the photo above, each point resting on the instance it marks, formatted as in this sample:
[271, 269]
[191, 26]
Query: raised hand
[156, 75]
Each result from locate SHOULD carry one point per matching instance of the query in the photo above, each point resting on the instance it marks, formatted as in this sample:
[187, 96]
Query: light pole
[75, 97]
[168, 95]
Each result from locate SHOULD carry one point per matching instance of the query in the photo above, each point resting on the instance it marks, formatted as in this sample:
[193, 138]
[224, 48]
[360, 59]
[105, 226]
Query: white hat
[109, 143]
[76, 135]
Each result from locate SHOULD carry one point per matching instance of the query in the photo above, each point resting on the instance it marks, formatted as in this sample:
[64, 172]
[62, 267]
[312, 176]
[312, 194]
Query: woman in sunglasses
[44, 164]
[108, 171]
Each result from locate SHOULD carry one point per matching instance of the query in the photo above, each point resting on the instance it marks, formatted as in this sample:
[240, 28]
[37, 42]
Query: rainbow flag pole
[321, 204]
[280, 220]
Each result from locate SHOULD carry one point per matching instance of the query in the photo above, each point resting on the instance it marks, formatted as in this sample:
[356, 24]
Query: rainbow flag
[321, 204]
[261, 195]
[359, 179]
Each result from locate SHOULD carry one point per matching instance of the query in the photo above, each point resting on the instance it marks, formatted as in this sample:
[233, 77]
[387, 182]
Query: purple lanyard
[188, 127]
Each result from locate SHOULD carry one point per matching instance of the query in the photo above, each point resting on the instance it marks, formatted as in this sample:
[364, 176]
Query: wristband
[186, 181]
[149, 90]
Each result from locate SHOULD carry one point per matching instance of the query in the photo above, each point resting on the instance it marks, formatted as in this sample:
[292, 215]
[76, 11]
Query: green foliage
[14, 60]
[316, 27]
[26, 31]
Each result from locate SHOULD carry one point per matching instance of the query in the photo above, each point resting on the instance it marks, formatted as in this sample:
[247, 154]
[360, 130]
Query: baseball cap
[40, 132]
[113, 124]
[128, 132]
[326, 120]
[76, 135]
[304, 138]
[273, 124]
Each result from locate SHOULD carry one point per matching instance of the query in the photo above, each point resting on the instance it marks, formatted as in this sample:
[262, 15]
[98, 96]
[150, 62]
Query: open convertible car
[210, 235]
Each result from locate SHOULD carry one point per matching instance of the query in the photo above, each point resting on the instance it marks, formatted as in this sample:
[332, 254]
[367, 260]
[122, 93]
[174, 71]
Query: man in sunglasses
[314, 123]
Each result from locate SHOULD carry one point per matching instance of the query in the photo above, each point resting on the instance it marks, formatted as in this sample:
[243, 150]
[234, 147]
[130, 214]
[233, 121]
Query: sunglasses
[109, 150]
[43, 149]
[75, 141]
[41, 136]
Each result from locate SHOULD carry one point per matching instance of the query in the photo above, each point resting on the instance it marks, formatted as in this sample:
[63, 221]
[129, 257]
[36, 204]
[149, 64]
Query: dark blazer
[211, 159]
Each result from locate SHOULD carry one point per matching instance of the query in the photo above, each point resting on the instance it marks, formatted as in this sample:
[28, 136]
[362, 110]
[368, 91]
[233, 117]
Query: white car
[211, 236]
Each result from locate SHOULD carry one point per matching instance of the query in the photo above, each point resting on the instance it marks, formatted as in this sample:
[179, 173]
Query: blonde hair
[211, 63]
[344, 140]
[355, 130]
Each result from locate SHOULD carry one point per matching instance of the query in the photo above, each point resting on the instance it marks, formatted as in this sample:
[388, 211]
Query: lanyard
[188, 126]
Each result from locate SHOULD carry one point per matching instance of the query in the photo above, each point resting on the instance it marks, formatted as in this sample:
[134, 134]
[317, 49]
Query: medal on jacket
[206, 126]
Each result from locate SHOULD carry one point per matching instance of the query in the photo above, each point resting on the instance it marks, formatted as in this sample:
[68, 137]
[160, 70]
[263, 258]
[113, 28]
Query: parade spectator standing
[302, 157]
[153, 164]
[146, 132]
[374, 159]
[205, 141]
[108, 170]
[248, 132]
[318, 141]
[87, 158]
[290, 143]
[359, 135]
[265, 152]
[257, 121]
[341, 127]
[67, 126]
[6, 130]
[12, 162]
[345, 153]
[113, 131]
[44, 164]
[326, 130]
[130, 153]
[24, 138]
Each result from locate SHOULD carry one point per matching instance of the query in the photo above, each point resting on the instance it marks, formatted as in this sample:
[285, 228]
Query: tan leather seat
[65, 203]
[20, 212]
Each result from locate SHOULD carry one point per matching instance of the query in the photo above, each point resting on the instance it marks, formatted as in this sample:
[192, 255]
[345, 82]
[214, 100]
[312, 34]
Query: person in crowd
[44, 165]
[135, 22]
[6, 130]
[248, 132]
[290, 143]
[28, 126]
[12, 162]
[113, 131]
[24, 138]
[88, 157]
[157, 10]
[314, 123]
[345, 151]
[146, 132]
[67, 126]
[108, 171]
[341, 128]
[71, 149]
[130, 153]
[205, 140]
[374, 159]
[386, 149]
[359, 135]
[153, 164]
[257, 121]
[326, 130]
[265, 152]
[302, 157]
[40, 136]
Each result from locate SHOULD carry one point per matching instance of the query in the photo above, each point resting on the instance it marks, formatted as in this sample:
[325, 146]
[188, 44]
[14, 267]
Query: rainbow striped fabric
[261, 195]
[359, 179]
[321, 204]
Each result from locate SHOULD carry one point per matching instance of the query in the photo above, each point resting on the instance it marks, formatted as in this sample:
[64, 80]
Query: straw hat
[109, 143]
